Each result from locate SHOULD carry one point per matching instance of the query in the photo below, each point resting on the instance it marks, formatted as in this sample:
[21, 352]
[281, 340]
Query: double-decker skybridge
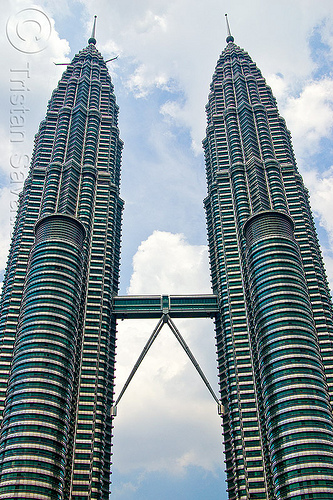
[165, 308]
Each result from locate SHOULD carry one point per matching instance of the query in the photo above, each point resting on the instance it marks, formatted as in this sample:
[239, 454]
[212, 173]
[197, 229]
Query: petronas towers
[274, 322]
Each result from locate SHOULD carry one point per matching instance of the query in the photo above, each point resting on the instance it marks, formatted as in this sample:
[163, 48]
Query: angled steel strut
[166, 319]
[140, 358]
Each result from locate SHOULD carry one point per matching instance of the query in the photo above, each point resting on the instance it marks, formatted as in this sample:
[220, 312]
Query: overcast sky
[167, 442]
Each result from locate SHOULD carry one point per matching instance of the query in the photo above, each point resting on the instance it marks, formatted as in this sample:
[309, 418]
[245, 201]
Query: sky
[167, 434]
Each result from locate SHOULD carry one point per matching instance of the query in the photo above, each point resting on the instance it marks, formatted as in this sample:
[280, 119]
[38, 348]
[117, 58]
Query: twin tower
[270, 298]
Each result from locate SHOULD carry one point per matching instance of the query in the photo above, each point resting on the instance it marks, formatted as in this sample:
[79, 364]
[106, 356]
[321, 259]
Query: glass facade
[154, 306]
[270, 300]
[274, 327]
[57, 331]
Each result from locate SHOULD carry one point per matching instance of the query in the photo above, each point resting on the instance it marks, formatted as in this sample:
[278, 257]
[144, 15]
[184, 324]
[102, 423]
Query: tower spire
[92, 39]
[229, 38]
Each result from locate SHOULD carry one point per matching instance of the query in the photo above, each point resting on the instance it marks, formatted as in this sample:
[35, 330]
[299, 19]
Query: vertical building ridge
[57, 332]
[274, 330]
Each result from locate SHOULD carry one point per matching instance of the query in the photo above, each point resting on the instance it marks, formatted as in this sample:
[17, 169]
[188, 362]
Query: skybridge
[165, 308]
[154, 306]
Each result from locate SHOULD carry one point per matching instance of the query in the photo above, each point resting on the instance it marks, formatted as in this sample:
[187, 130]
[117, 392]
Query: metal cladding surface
[57, 329]
[274, 328]
[271, 302]
[36, 421]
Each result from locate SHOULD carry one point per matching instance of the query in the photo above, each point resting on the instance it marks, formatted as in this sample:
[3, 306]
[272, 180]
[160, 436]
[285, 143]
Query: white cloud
[142, 81]
[321, 192]
[26, 83]
[125, 489]
[167, 263]
[310, 116]
[5, 226]
[173, 47]
[179, 43]
[6, 148]
[279, 86]
[328, 259]
[167, 414]
[326, 30]
[27, 79]
[151, 23]
[321, 198]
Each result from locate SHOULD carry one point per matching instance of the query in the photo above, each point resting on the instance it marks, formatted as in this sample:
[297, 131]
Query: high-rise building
[57, 330]
[271, 302]
[274, 328]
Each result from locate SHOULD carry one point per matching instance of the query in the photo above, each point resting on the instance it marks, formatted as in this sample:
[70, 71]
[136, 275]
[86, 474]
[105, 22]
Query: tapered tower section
[57, 331]
[274, 328]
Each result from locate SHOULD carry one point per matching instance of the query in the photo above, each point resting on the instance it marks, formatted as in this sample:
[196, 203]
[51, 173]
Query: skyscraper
[274, 327]
[57, 330]
[271, 300]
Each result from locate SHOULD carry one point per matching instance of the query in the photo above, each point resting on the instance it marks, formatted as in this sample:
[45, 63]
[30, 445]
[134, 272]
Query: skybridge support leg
[166, 319]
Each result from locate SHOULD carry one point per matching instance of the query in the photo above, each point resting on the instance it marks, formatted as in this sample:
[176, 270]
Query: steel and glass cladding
[270, 300]
[57, 331]
[274, 326]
